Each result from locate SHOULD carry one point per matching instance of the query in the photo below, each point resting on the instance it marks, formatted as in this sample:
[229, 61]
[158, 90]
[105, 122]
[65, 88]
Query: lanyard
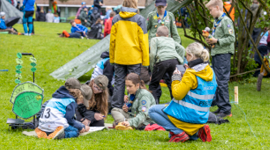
[160, 20]
[217, 23]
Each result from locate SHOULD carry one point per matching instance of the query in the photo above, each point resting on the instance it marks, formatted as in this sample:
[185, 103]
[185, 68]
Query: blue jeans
[71, 132]
[156, 113]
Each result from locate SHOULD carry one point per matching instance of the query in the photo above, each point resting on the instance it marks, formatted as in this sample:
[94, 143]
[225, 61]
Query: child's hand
[83, 130]
[98, 116]
[126, 123]
[211, 41]
[125, 98]
[86, 122]
[125, 108]
[176, 71]
[186, 66]
[87, 128]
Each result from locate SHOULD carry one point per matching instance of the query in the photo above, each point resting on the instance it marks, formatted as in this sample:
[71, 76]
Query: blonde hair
[198, 51]
[218, 3]
[130, 3]
[162, 31]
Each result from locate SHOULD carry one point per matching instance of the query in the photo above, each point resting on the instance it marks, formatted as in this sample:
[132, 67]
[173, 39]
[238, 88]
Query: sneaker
[216, 112]
[204, 134]
[182, 137]
[224, 114]
[26, 34]
[40, 133]
[59, 133]
[120, 126]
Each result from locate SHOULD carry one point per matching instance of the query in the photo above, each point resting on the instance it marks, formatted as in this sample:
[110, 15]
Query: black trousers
[221, 66]
[121, 72]
[160, 69]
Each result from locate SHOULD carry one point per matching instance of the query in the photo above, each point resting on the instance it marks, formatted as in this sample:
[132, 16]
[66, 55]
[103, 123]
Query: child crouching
[57, 120]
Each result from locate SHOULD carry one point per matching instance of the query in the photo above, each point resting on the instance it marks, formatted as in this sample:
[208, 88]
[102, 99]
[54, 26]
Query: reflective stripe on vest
[201, 97]
[192, 106]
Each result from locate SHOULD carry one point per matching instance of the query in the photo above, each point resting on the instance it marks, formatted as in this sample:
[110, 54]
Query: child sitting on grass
[57, 120]
[3, 26]
[78, 28]
[165, 54]
[134, 113]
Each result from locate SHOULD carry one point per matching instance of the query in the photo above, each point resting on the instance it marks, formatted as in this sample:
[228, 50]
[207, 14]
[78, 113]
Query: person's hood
[127, 12]
[202, 70]
[62, 92]
[105, 55]
[254, 6]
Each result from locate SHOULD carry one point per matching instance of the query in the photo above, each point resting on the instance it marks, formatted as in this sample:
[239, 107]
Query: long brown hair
[135, 79]
[130, 3]
[98, 21]
[100, 101]
[76, 93]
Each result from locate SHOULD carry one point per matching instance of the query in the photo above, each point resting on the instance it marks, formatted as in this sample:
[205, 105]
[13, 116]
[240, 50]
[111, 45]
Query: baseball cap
[161, 2]
[83, 3]
[87, 94]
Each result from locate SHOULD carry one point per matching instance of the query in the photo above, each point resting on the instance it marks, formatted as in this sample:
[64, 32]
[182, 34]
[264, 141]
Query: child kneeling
[57, 120]
[134, 113]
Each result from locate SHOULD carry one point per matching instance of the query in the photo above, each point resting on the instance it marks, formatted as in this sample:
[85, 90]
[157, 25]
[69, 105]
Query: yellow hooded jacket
[129, 39]
[180, 90]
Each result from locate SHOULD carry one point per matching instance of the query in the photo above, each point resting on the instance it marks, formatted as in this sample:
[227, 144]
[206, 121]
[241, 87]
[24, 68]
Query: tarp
[10, 10]
[88, 59]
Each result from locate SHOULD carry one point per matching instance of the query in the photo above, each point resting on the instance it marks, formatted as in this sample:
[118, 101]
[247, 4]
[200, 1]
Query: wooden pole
[236, 94]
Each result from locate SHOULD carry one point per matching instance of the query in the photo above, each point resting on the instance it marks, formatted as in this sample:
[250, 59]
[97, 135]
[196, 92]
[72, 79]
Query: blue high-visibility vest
[194, 107]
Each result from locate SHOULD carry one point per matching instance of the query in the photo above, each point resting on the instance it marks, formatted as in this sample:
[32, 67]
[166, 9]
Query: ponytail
[198, 51]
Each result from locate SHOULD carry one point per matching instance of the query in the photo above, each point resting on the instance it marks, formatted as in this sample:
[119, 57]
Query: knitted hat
[73, 83]
[101, 81]
[87, 94]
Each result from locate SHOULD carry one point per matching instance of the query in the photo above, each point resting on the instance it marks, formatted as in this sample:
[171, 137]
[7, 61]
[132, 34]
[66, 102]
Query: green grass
[52, 52]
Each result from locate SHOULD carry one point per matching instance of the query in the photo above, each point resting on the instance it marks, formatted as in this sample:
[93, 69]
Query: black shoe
[216, 112]
[224, 114]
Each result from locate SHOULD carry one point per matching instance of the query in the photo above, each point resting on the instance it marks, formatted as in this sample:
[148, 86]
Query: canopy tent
[10, 10]
[88, 59]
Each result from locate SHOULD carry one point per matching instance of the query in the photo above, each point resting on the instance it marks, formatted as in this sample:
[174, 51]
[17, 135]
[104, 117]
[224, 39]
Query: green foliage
[53, 52]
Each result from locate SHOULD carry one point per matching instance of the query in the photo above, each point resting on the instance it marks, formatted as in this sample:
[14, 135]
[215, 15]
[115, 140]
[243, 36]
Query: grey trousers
[221, 66]
[121, 71]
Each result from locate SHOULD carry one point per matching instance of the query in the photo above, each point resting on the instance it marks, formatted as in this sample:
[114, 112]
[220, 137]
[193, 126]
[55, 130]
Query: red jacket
[108, 26]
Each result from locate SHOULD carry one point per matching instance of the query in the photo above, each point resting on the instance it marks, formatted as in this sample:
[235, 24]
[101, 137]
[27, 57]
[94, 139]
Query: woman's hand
[125, 98]
[186, 66]
[176, 71]
[125, 108]
[98, 116]
[126, 123]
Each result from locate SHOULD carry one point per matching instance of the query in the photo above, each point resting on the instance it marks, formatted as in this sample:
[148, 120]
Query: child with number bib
[134, 113]
[57, 120]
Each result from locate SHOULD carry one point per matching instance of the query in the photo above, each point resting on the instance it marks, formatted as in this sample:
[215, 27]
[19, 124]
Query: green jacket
[226, 36]
[165, 48]
[169, 22]
[139, 110]
[84, 16]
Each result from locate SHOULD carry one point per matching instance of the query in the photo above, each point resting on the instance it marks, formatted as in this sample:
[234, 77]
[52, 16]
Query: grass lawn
[52, 52]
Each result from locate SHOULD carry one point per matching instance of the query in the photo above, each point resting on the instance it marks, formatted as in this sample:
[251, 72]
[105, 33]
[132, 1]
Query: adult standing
[257, 30]
[128, 52]
[55, 8]
[155, 19]
[49, 16]
[28, 7]
[98, 4]
[80, 10]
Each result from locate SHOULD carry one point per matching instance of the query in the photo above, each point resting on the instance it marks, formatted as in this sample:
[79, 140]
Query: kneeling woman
[134, 113]
[94, 109]
[187, 113]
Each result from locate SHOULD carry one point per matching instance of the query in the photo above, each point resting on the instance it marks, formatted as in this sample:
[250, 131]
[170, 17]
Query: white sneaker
[26, 34]
[29, 34]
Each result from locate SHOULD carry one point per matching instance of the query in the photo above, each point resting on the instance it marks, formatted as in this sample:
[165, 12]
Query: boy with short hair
[223, 39]
[78, 28]
[165, 54]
